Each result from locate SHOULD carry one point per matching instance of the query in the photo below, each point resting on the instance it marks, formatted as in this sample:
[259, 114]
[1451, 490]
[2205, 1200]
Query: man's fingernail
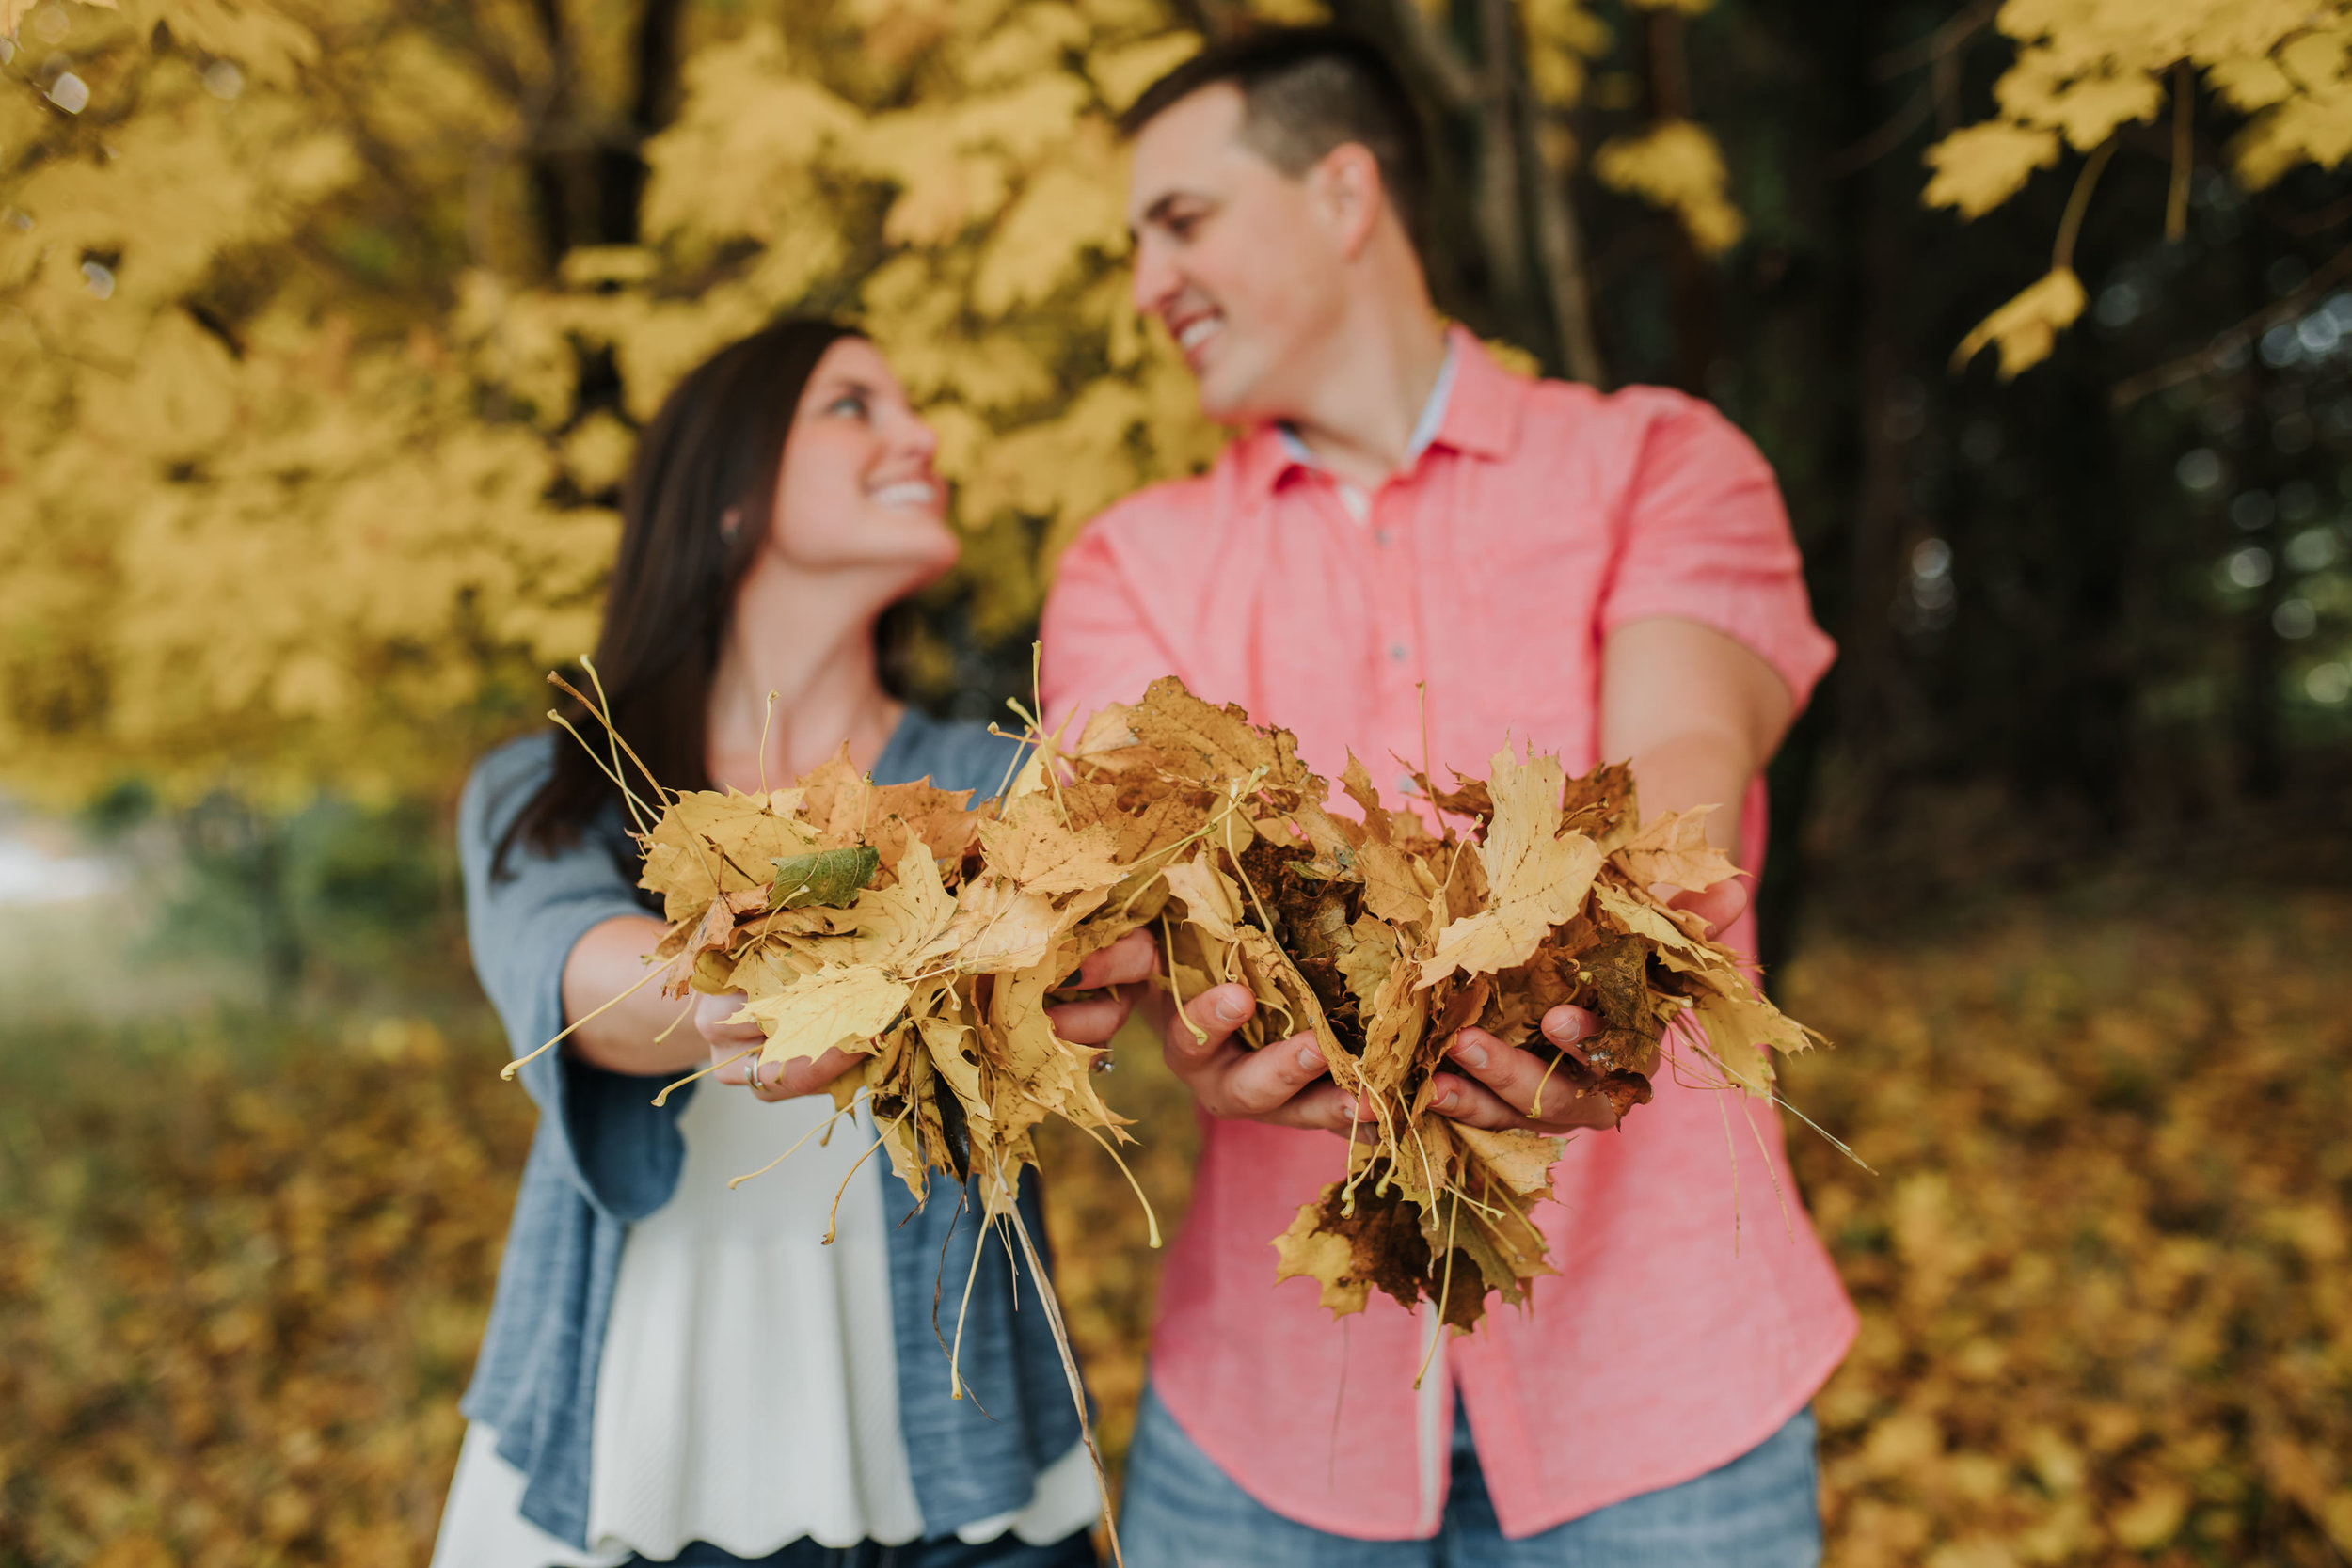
[1443, 1101]
[1232, 1009]
[1310, 1057]
[1468, 1054]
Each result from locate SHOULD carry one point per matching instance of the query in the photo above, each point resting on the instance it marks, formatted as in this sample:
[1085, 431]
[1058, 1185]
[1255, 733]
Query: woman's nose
[917, 435]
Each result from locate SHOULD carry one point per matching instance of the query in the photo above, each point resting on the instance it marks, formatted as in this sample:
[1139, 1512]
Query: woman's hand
[1091, 1021]
[730, 1040]
[1130, 961]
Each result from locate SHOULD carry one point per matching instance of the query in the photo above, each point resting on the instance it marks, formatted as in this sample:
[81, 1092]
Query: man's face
[1240, 262]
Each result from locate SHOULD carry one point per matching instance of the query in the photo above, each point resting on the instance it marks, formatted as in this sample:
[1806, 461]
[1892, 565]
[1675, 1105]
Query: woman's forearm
[643, 1033]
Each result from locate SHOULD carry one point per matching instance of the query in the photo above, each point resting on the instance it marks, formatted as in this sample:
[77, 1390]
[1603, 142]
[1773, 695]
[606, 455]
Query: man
[1607, 577]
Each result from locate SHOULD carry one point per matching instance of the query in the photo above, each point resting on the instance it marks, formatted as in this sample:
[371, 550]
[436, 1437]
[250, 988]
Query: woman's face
[857, 488]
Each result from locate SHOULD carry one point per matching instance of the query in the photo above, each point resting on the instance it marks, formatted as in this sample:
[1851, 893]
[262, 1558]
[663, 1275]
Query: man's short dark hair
[1306, 90]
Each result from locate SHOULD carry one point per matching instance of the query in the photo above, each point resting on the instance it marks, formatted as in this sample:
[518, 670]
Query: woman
[674, 1372]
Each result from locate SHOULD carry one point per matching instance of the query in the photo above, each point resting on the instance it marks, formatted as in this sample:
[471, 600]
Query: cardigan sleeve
[522, 918]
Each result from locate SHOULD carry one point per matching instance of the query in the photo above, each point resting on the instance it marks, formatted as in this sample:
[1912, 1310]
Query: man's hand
[1286, 1084]
[1501, 1086]
[1719, 906]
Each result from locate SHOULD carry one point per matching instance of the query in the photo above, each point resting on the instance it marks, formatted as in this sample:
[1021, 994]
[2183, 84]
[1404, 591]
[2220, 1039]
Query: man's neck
[1359, 417]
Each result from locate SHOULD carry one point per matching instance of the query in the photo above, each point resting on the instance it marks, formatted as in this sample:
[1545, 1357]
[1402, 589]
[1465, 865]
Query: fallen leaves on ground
[2102, 1269]
[2105, 1307]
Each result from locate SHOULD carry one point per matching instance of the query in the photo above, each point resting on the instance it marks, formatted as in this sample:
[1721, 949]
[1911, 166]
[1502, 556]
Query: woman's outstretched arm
[647, 1033]
[644, 1032]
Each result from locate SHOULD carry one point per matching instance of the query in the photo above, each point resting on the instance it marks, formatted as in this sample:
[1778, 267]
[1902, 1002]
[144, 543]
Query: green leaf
[828, 877]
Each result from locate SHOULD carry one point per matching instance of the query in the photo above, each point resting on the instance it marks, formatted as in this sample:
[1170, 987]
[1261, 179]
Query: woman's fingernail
[1308, 1057]
[1470, 1055]
[1232, 1009]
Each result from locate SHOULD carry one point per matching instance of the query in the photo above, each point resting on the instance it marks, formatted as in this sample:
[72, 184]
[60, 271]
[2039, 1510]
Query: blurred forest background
[324, 327]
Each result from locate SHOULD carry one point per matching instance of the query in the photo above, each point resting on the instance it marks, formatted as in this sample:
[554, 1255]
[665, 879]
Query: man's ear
[1349, 196]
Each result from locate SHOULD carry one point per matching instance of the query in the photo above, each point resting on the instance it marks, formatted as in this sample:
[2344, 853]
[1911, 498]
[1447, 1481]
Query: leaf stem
[2062, 254]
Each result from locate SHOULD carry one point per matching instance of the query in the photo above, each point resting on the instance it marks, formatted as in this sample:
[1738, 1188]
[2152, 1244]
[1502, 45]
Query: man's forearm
[1698, 768]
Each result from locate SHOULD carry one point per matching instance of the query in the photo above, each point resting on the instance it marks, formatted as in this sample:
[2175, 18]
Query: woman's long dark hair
[716, 447]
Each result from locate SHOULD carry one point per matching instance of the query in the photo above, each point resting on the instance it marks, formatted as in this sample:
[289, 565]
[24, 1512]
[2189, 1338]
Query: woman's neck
[810, 641]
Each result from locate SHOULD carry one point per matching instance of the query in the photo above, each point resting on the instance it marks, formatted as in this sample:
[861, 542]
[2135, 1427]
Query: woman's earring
[730, 524]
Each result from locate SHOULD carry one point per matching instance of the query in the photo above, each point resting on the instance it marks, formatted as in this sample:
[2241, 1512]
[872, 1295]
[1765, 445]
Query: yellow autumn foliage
[267, 521]
[1677, 165]
[2028, 325]
[2086, 67]
[311, 417]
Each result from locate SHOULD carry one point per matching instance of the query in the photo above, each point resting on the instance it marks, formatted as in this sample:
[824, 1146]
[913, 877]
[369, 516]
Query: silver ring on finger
[751, 1075]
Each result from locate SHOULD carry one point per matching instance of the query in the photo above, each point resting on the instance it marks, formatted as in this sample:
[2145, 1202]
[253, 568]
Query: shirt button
[1404, 784]
[1399, 651]
[1379, 536]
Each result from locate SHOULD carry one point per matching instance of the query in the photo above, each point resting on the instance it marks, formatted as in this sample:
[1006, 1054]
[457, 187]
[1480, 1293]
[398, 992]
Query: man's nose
[1155, 278]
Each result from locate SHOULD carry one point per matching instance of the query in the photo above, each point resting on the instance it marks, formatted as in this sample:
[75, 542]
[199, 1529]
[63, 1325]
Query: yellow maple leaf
[1677, 165]
[1211, 902]
[1979, 166]
[1519, 1159]
[1030, 847]
[2027, 327]
[842, 1007]
[1307, 1249]
[711, 842]
[1673, 849]
[1537, 876]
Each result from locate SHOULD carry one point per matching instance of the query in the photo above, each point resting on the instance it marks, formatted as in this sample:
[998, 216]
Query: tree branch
[1456, 83]
[1938, 44]
[2233, 340]
[1560, 246]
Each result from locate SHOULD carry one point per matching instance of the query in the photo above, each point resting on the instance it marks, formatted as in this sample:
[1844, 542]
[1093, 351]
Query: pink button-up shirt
[1694, 1310]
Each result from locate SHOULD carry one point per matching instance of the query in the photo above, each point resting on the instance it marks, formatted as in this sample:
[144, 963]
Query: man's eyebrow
[1158, 212]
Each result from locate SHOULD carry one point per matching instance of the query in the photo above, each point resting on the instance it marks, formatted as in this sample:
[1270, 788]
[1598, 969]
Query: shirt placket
[1391, 541]
[1400, 664]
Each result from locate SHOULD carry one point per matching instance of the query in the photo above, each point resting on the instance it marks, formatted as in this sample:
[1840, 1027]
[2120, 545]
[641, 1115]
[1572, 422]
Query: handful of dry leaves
[903, 923]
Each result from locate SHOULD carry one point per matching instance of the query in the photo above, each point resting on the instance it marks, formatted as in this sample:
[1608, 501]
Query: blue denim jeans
[1760, 1511]
[1005, 1551]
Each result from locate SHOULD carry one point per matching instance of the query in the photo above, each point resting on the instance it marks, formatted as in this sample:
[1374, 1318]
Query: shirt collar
[1474, 406]
[1424, 429]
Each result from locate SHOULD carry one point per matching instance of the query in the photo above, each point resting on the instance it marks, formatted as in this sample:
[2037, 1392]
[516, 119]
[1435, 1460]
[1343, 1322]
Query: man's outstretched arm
[1698, 714]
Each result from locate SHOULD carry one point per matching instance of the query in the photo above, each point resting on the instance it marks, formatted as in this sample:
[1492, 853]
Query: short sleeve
[1704, 537]
[522, 920]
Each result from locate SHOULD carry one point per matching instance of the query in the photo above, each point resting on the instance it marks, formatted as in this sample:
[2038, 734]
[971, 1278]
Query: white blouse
[748, 1393]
